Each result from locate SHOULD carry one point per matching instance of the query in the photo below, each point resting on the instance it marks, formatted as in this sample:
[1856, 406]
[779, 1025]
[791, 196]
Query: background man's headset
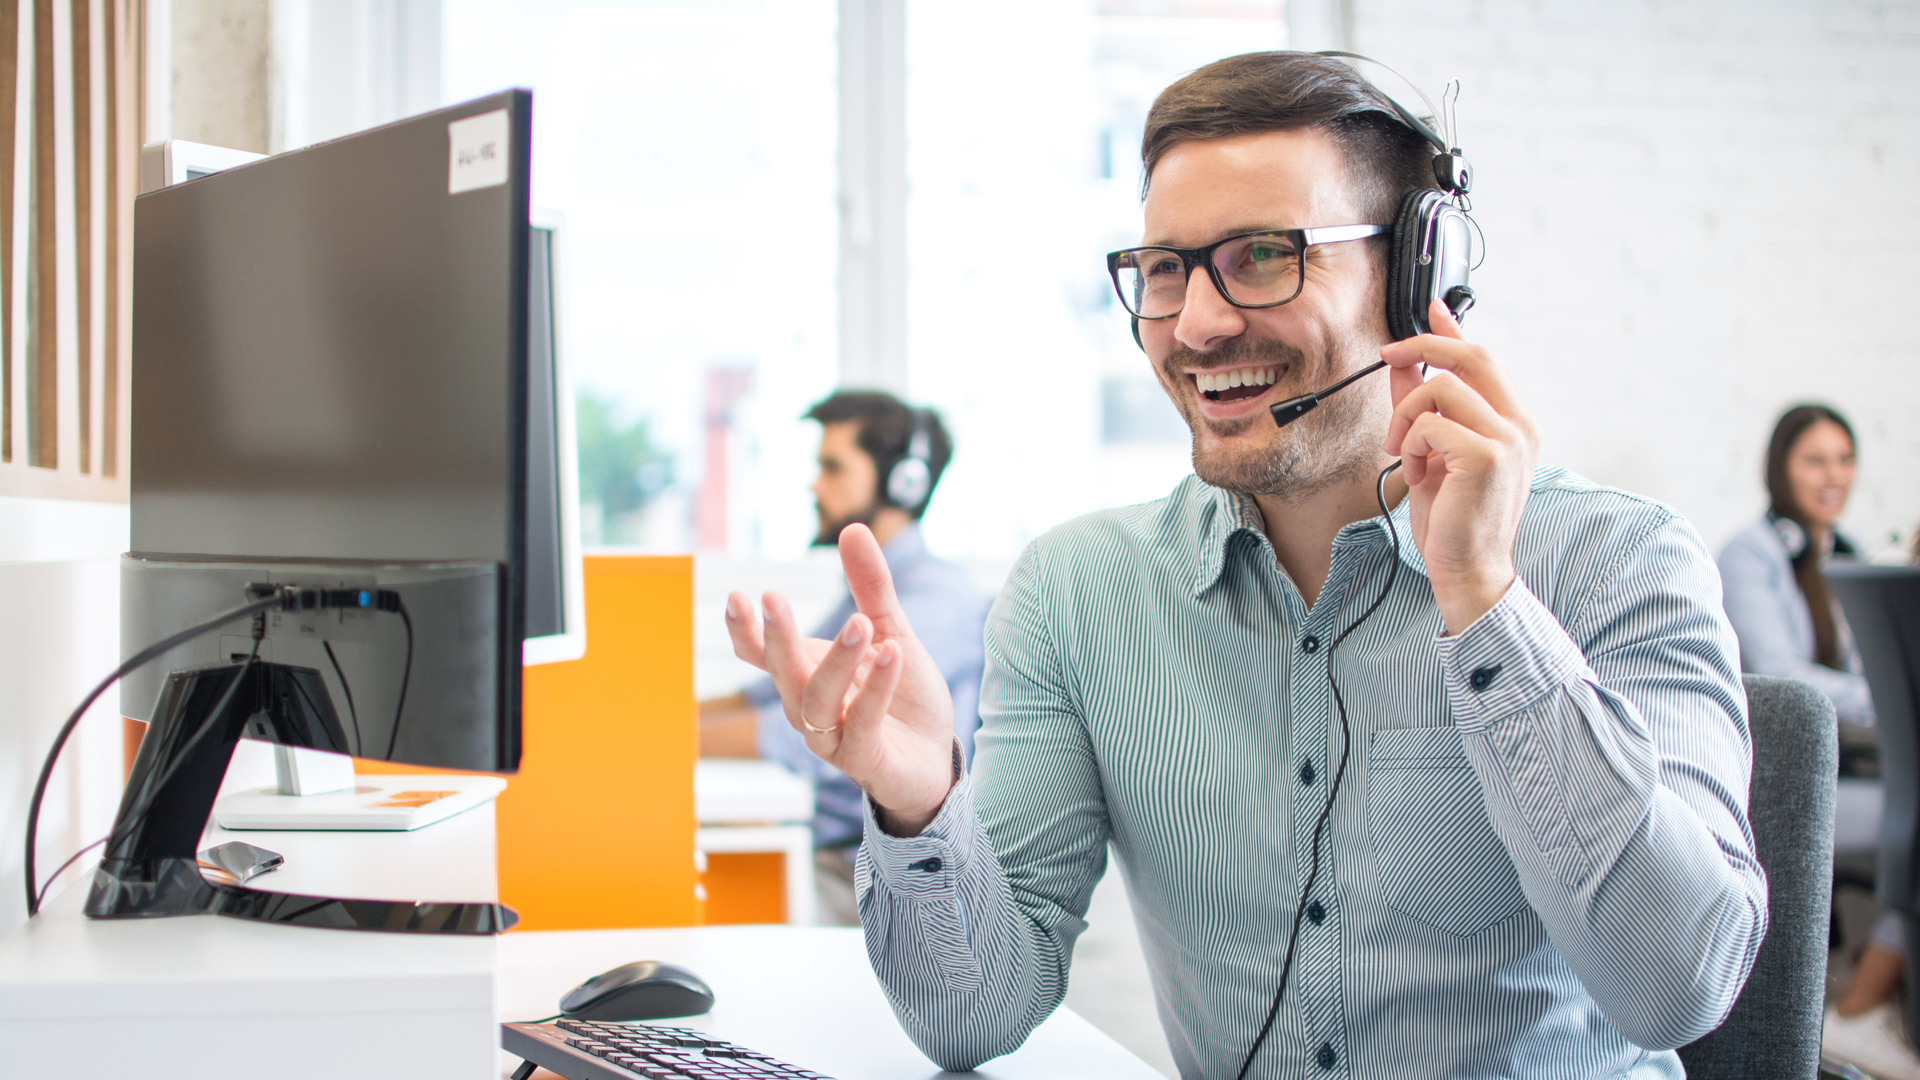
[910, 481]
[1429, 260]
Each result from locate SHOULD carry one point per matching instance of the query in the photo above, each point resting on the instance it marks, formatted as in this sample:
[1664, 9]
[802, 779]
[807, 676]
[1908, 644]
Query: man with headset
[879, 463]
[1455, 790]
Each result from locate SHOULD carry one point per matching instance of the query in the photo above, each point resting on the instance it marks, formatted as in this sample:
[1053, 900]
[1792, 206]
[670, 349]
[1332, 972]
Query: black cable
[1333, 791]
[285, 598]
[352, 713]
[406, 673]
[140, 659]
[55, 876]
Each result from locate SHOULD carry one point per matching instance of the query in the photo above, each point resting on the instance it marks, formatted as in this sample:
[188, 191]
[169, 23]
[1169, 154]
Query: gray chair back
[1773, 1032]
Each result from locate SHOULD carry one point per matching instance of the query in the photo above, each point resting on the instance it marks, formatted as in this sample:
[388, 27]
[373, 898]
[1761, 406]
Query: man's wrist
[908, 825]
[1463, 601]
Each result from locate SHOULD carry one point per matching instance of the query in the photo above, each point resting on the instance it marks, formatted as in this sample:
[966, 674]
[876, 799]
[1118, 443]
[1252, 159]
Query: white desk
[205, 997]
[804, 995]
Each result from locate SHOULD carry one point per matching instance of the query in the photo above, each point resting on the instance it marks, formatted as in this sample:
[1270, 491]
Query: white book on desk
[384, 803]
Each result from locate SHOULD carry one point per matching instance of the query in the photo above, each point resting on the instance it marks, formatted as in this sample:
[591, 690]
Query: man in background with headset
[879, 463]
[1504, 835]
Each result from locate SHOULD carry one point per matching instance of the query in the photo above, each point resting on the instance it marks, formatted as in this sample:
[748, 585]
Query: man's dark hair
[1285, 91]
[883, 429]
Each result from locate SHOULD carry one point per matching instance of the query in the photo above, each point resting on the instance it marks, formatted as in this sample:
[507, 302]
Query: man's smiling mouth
[1235, 384]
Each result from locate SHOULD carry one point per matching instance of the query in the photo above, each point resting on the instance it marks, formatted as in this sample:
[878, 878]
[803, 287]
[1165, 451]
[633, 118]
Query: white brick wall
[1698, 213]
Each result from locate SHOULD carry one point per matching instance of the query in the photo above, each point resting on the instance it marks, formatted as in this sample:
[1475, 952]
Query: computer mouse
[643, 990]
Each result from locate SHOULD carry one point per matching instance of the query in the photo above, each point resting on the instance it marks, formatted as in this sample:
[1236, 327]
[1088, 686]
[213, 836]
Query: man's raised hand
[871, 702]
[1467, 447]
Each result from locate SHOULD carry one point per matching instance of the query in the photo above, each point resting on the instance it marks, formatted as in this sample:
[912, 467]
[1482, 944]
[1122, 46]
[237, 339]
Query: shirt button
[1309, 643]
[931, 865]
[1483, 677]
[1306, 773]
[1325, 1056]
[1317, 913]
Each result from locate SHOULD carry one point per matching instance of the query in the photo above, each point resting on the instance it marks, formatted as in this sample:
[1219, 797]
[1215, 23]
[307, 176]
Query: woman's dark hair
[1284, 91]
[1806, 564]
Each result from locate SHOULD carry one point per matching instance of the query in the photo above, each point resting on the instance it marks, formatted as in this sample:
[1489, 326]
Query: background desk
[803, 994]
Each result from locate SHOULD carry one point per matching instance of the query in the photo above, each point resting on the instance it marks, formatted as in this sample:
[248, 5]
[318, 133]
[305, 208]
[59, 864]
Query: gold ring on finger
[805, 723]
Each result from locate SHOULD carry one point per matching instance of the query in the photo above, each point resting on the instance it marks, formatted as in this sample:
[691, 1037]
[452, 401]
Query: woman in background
[1789, 625]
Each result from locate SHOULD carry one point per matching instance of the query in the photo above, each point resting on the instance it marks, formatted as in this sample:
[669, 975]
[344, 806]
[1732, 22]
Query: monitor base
[151, 868]
[163, 888]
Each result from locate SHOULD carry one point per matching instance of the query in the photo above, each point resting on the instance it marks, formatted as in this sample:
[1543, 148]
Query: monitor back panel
[330, 353]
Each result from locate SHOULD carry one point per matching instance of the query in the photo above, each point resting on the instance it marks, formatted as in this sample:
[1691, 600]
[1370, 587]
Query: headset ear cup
[1792, 536]
[909, 483]
[1403, 264]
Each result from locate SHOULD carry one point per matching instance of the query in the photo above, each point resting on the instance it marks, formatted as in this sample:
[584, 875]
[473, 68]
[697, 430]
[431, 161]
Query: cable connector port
[295, 598]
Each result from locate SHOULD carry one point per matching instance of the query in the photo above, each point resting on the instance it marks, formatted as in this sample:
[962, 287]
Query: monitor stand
[152, 868]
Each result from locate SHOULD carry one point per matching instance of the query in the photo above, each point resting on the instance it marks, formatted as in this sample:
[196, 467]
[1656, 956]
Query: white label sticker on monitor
[477, 152]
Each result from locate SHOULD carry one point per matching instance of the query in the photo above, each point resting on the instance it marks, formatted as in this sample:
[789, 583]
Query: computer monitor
[556, 594]
[346, 382]
[556, 588]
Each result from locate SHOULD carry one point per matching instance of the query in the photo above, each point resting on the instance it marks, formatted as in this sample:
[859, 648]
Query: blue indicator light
[366, 598]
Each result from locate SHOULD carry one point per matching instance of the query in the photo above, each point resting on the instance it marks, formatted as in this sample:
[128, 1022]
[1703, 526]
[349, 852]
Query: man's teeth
[1227, 380]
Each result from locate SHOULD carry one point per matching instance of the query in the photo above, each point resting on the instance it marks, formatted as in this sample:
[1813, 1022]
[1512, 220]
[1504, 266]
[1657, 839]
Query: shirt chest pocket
[1436, 853]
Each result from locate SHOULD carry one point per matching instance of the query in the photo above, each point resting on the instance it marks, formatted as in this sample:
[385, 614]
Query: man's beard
[1338, 440]
[829, 535]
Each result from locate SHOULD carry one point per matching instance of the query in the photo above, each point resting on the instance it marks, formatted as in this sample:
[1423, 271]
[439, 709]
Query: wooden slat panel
[110, 29]
[80, 47]
[9, 103]
[43, 349]
[67, 102]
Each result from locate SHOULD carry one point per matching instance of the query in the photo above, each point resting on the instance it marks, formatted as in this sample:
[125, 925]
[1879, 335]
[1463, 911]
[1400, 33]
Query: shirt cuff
[1510, 658]
[926, 866]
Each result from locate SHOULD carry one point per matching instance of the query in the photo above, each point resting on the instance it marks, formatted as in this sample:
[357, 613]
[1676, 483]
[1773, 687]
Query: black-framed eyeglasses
[1254, 270]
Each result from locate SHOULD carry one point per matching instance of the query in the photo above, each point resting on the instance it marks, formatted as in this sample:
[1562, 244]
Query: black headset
[1431, 253]
[910, 481]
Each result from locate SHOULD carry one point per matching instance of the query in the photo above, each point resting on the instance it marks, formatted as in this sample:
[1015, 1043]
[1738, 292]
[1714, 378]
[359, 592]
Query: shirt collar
[1224, 514]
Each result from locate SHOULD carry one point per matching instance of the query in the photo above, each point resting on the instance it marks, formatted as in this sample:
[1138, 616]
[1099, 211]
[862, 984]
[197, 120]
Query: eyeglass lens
[1256, 271]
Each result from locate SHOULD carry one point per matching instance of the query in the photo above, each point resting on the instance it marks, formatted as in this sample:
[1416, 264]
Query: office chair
[1774, 1028]
[1882, 604]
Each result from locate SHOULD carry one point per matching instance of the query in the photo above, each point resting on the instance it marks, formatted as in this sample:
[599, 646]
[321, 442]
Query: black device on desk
[584, 1050]
[642, 990]
[343, 425]
[591, 1042]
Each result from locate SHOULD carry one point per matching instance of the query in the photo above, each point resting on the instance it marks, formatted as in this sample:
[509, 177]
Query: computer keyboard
[580, 1050]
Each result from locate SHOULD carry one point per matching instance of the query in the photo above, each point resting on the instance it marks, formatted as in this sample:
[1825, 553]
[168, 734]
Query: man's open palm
[871, 702]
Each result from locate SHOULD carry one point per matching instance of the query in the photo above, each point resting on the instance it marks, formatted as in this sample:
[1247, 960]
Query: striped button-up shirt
[1538, 862]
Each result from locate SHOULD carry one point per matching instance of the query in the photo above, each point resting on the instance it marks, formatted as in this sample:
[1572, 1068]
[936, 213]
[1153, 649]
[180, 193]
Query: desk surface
[202, 996]
[803, 994]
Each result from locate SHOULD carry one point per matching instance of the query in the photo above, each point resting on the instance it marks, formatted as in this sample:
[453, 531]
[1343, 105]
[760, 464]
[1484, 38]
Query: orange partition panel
[745, 887]
[596, 829]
